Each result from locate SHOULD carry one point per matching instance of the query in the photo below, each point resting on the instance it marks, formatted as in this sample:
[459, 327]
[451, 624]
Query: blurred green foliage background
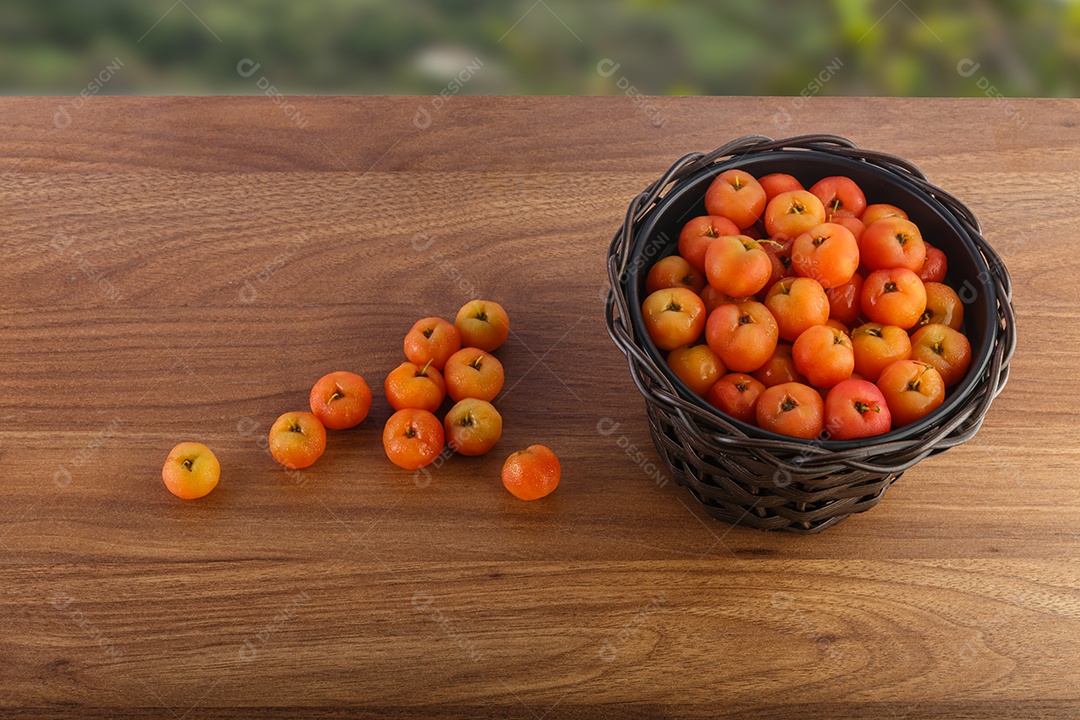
[886, 47]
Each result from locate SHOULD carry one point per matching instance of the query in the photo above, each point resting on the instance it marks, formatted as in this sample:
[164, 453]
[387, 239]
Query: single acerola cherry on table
[912, 390]
[473, 373]
[737, 265]
[797, 303]
[791, 409]
[698, 366]
[340, 400]
[532, 473]
[823, 355]
[482, 324]
[411, 386]
[780, 368]
[698, 234]
[413, 438]
[191, 470]
[894, 297]
[297, 439]
[841, 196]
[948, 350]
[736, 195]
[775, 183]
[942, 306]
[856, 409]
[877, 346]
[827, 253]
[432, 340]
[891, 243]
[736, 394]
[743, 335]
[790, 214]
[673, 317]
[845, 301]
[472, 427]
[936, 265]
[673, 271]
[880, 211]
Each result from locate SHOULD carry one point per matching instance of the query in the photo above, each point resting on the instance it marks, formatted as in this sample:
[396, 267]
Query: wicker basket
[747, 476]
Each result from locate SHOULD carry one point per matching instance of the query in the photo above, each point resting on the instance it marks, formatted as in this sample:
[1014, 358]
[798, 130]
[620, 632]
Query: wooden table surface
[185, 268]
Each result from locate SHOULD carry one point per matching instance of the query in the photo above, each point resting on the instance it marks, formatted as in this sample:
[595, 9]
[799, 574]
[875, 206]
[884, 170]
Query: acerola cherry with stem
[744, 335]
[736, 195]
[673, 317]
[912, 390]
[827, 253]
[856, 409]
[737, 265]
[698, 234]
[736, 394]
[791, 409]
[792, 213]
[894, 297]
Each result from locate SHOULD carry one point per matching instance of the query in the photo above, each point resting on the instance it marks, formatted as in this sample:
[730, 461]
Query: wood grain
[185, 268]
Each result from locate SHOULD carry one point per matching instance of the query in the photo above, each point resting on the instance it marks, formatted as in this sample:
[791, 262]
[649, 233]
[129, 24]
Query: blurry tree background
[768, 47]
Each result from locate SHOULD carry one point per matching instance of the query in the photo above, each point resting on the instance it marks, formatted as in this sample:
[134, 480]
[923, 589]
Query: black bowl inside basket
[657, 236]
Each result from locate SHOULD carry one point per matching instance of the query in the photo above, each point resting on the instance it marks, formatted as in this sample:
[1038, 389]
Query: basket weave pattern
[790, 485]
